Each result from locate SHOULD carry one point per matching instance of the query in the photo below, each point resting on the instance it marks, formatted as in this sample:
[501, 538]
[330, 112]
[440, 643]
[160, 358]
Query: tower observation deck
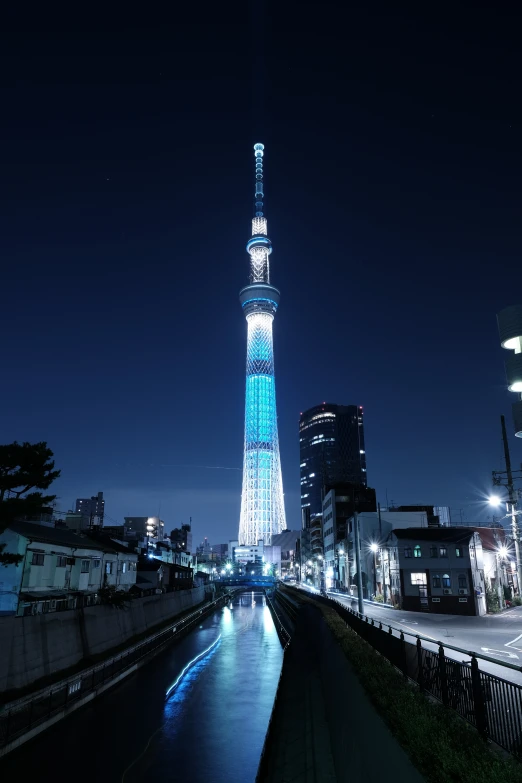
[262, 502]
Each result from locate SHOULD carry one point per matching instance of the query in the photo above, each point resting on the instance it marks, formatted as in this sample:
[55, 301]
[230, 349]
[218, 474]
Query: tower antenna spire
[259, 151]
[262, 501]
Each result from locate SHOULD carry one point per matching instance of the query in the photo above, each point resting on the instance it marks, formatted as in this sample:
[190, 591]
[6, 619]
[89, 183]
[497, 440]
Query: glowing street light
[374, 547]
[494, 500]
[503, 552]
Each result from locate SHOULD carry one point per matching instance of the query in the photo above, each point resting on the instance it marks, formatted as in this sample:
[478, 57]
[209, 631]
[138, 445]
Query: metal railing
[19, 717]
[491, 704]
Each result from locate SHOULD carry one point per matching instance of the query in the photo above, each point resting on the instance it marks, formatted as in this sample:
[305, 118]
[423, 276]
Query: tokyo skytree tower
[262, 502]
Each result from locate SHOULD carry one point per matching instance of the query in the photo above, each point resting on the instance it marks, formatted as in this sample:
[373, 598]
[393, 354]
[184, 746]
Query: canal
[210, 727]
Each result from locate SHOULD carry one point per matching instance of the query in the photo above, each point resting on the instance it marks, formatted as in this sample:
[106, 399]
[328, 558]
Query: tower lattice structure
[262, 502]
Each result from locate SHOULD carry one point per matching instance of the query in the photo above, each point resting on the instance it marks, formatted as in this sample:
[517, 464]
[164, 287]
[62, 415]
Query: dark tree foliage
[25, 468]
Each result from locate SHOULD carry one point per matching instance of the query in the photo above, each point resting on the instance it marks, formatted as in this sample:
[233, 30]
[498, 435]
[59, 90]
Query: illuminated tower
[262, 503]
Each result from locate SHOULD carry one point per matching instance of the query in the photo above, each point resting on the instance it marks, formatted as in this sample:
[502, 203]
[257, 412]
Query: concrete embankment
[37, 647]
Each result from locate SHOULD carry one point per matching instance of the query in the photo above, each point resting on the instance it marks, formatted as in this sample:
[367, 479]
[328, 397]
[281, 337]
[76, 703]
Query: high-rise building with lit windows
[331, 449]
[262, 502]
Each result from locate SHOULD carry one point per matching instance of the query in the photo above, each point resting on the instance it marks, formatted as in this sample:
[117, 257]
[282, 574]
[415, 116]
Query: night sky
[393, 178]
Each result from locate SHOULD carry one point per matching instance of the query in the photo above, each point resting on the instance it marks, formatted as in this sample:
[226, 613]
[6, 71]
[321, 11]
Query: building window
[417, 551]
[407, 551]
[61, 561]
[463, 582]
[38, 559]
[443, 551]
[459, 552]
[436, 580]
[85, 567]
[446, 581]
[418, 579]
[434, 551]
[108, 567]
[96, 563]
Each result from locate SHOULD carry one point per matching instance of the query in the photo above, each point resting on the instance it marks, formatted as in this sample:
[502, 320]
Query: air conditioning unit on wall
[463, 592]
[447, 591]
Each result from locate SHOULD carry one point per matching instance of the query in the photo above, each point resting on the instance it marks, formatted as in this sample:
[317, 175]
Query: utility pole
[512, 498]
[357, 543]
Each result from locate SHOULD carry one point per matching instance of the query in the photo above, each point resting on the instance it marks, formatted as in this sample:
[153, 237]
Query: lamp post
[512, 499]
[501, 556]
[374, 548]
[357, 543]
[340, 553]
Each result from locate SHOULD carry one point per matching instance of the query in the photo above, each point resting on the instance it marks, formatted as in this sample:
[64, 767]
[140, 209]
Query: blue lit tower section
[262, 503]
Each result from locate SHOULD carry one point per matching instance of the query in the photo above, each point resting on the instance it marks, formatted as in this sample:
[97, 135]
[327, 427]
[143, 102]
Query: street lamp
[374, 548]
[494, 500]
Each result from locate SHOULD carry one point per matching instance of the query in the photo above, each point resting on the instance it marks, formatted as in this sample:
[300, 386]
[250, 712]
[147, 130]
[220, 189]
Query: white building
[59, 569]
[256, 556]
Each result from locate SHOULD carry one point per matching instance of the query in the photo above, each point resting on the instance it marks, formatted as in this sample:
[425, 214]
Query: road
[498, 636]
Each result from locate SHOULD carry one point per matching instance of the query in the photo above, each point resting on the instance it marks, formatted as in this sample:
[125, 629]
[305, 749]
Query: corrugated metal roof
[57, 535]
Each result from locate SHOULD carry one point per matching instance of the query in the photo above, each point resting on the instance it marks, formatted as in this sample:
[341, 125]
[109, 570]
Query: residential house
[440, 570]
[59, 569]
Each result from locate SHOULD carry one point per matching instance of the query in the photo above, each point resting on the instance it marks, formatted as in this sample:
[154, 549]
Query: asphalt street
[497, 636]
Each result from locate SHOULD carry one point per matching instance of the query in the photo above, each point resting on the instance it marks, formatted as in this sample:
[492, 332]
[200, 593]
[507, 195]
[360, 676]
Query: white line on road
[512, 643]
[499, 652]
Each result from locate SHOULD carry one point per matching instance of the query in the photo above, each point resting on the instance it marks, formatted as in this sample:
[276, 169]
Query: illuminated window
[417, 551]
[446, 581]
[443, 551]
[418, 579]
[459, 552]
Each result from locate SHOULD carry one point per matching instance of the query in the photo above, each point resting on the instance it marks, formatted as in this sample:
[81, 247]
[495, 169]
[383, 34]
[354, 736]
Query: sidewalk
[298, 742]
[324, 728]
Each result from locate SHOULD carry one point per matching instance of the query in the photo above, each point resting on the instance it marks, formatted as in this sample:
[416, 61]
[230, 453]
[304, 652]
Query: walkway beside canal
[324, 729]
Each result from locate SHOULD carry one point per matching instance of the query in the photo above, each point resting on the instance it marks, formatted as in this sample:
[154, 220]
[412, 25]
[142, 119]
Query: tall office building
[91, 509]
[331, 448]
[262, 502]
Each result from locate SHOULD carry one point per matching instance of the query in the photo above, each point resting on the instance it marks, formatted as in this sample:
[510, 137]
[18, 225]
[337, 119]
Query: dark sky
[393, 177]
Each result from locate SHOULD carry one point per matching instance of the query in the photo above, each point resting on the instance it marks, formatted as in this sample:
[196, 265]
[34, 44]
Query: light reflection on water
[215, 720]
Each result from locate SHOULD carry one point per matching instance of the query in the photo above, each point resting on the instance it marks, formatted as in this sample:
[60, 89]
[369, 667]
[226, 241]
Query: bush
[517, 601]
[379, 598]
[492, 602]
[442, 746]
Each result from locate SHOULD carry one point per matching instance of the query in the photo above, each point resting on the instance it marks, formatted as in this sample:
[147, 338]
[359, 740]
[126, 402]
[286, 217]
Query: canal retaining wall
[39, 646]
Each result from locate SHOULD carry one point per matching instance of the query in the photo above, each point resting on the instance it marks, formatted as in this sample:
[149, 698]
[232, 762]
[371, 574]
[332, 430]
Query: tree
[24, 467]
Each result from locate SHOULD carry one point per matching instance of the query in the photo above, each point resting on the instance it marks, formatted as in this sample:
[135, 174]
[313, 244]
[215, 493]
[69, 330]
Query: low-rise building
[59, 569]
[440, 570]
[181, 538]
[287, 542]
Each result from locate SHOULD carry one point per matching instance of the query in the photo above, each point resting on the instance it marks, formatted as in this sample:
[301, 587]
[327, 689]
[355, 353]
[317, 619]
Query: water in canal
[210, 728]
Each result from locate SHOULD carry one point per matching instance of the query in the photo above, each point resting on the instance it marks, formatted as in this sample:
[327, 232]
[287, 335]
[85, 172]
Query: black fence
[28, 713]
[491, 704]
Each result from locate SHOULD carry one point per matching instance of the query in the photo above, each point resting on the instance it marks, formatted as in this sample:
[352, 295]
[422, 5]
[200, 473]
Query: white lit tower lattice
[262, 502]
